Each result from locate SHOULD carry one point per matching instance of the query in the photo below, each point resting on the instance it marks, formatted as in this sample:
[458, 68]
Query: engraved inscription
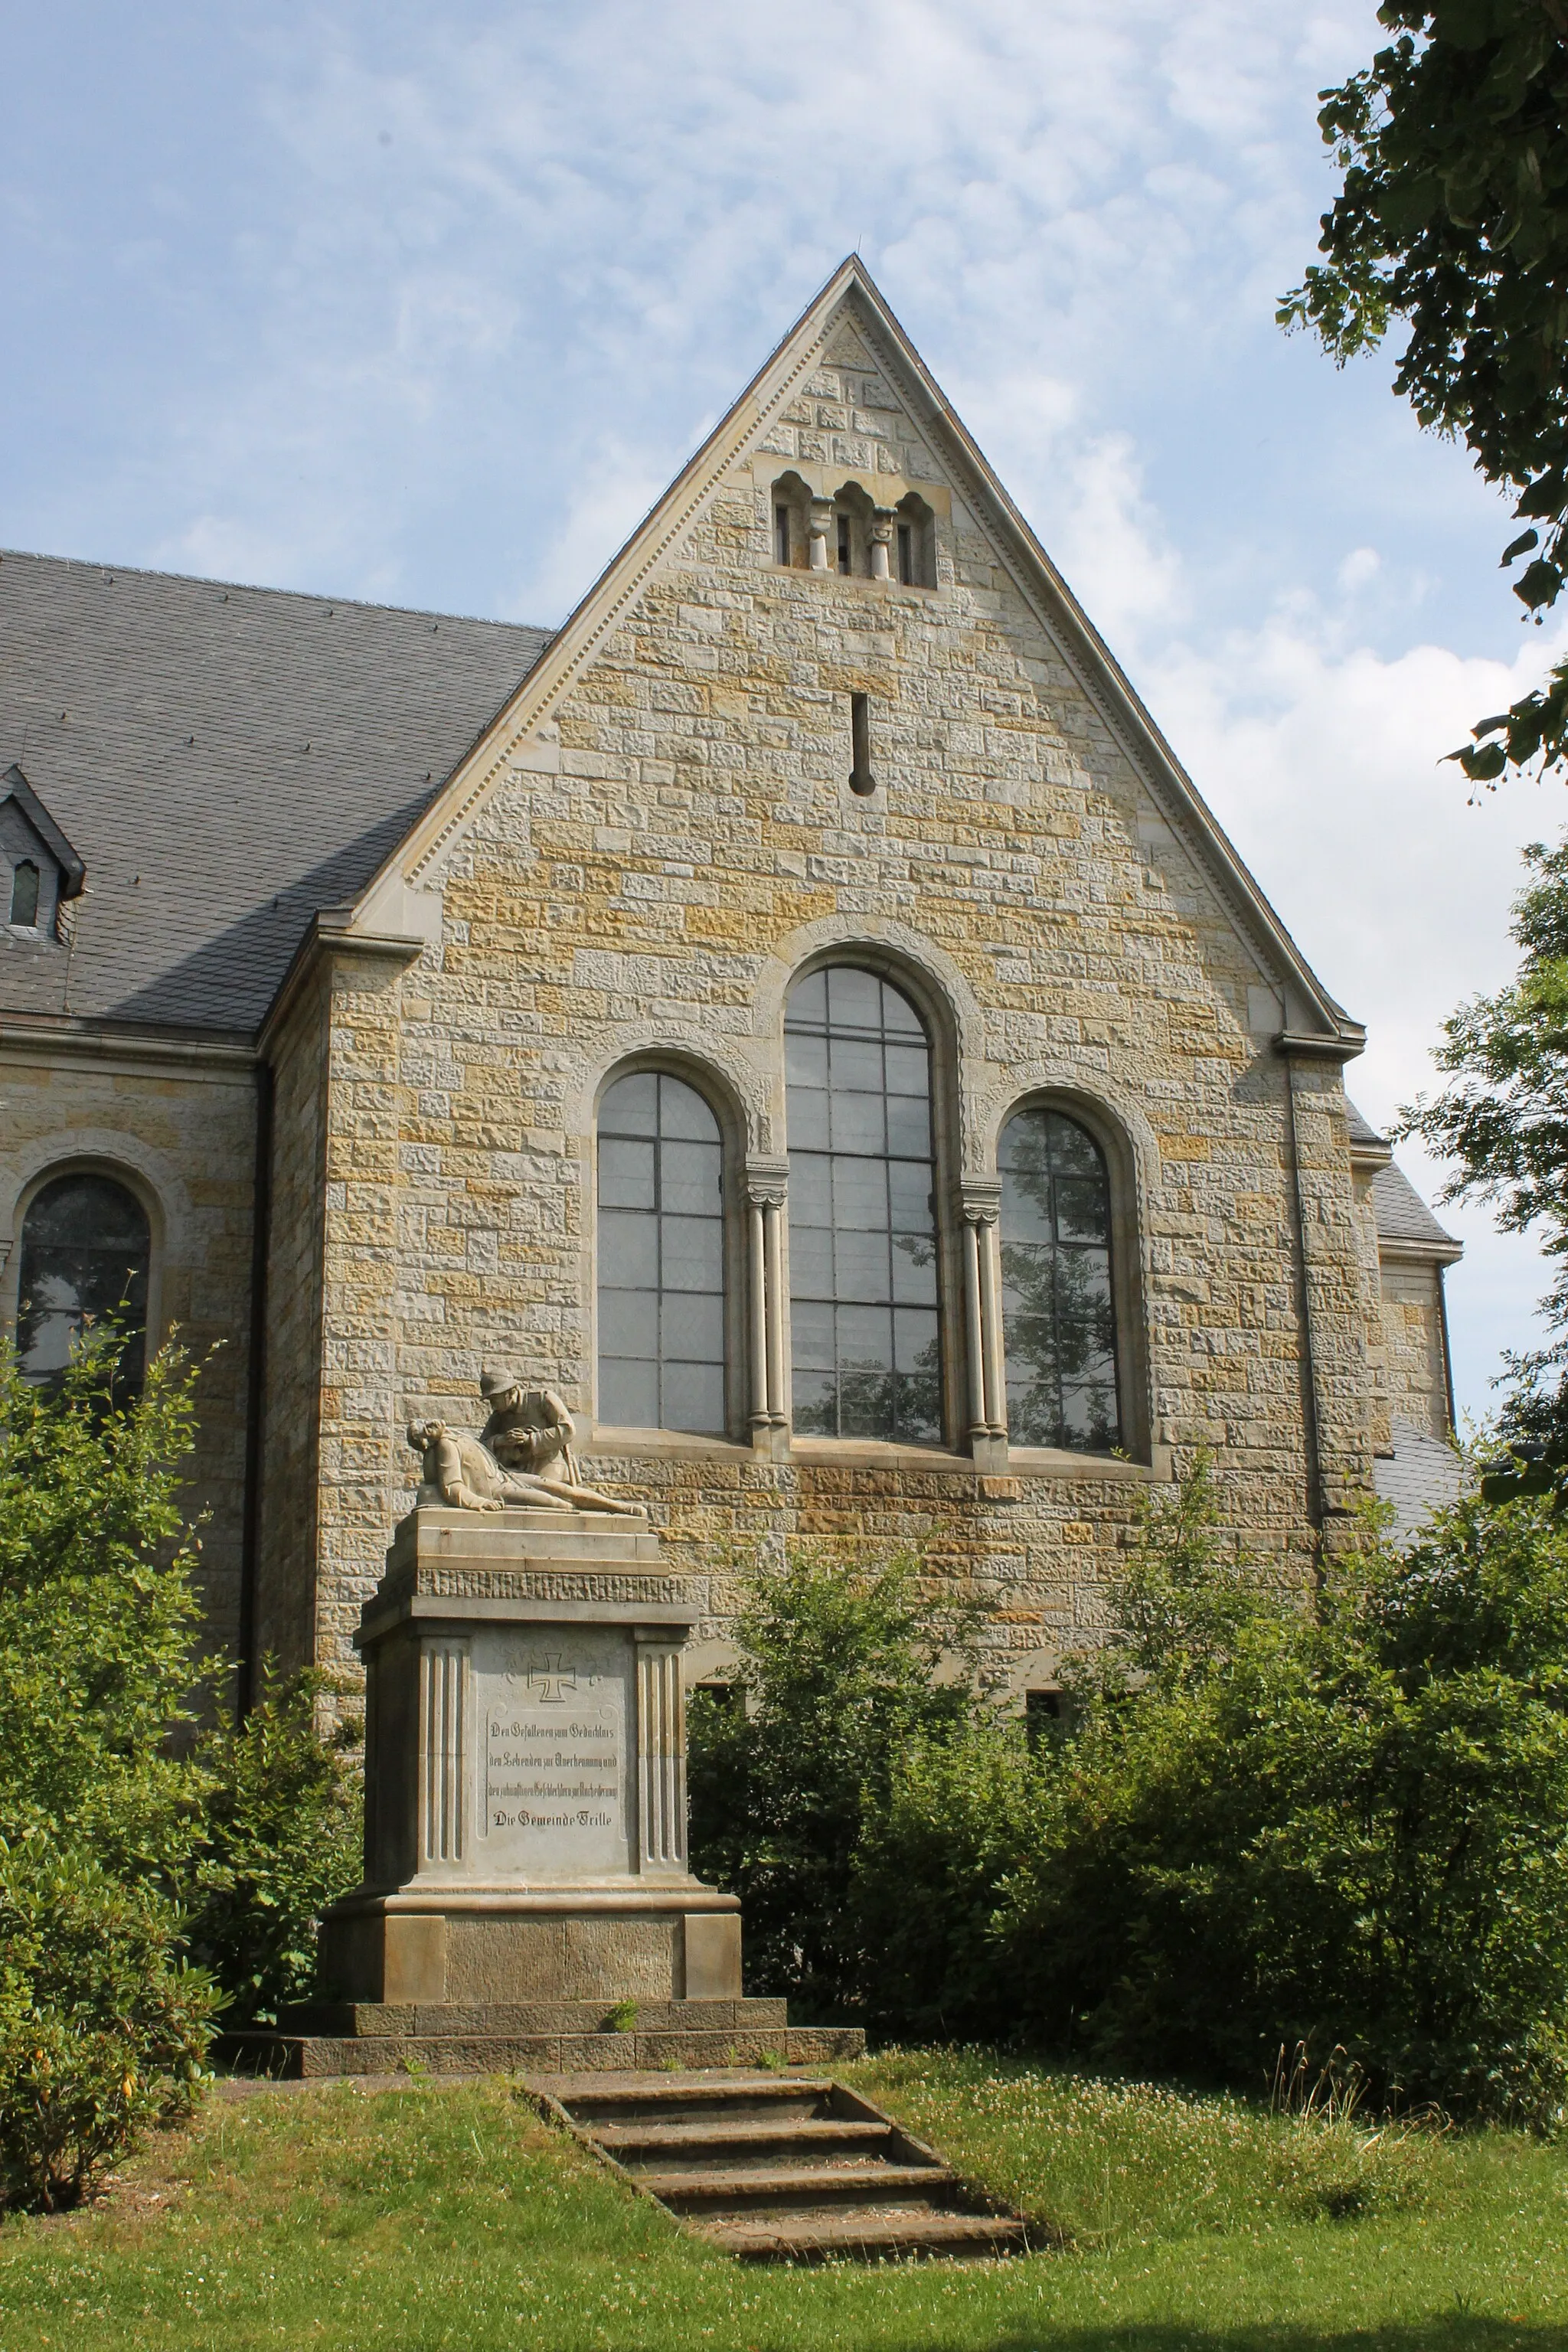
[557, 1783]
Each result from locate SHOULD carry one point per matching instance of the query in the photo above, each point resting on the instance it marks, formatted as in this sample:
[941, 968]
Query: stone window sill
[666, 1441]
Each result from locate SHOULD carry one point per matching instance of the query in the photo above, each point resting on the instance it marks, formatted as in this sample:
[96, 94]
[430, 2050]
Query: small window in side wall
[86, 1255]
[25, 895]
[661, 1257]
[1058, 1304]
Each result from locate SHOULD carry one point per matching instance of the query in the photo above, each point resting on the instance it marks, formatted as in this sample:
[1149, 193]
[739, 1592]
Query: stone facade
[178, 1127]
[650, 843]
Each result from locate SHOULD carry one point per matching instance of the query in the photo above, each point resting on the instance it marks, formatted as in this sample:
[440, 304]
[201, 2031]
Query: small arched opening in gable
[790, 503]
[914, 551]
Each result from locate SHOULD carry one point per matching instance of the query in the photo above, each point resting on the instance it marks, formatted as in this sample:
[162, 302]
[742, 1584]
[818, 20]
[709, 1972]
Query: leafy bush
[283, 1840]
[101, 1793]
[102, 2029]
[1346, 1825]
[837, 1671]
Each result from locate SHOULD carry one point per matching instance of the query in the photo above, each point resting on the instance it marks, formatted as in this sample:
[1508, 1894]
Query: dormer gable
[39, 870]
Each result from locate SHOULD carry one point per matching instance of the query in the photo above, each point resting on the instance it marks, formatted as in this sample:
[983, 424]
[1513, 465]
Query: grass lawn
[401, 2221]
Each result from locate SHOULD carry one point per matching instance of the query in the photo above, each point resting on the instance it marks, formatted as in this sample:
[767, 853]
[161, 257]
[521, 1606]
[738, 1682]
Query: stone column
[882, 519]
[980, 1201]
[766, 1193]
[818, 533]
[444, 1745]
[661, 1753]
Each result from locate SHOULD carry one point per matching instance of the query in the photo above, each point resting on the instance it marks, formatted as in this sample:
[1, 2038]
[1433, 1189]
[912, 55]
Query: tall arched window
[661, 1256]
[862, 1212]
[1057, 1311]
[86, 1252]
[25, 895]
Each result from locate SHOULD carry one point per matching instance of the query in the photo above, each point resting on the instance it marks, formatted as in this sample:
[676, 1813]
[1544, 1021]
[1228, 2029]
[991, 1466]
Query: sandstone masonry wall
[666, 849]
[182, 1135]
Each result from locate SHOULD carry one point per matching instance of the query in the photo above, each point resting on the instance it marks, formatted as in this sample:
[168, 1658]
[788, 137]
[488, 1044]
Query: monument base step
[321, 2039]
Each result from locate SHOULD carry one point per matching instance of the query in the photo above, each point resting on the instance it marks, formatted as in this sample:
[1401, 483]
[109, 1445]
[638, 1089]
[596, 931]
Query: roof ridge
[261, 588]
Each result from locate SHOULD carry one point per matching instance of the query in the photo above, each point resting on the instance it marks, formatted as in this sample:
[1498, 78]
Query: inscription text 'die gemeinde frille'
[554, 1795]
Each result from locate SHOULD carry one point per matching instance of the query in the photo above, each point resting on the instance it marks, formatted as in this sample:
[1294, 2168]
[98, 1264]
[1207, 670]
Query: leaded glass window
[661, 1256]
[1056, 1304]
[862, 1220]
[86, 1251]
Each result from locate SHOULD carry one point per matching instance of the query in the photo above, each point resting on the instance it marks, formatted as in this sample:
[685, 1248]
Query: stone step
[764, 2140]
[795, 2169]
[872, 2233]
[289, 2056]
[859, 2184]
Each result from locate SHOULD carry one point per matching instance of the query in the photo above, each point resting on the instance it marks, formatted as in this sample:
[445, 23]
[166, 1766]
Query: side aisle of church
[816, 1028]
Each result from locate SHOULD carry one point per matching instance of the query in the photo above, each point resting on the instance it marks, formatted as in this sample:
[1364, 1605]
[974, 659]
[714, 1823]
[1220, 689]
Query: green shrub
[1346, 1825]
[284, 1820]
[836, 1673]
[101, 1791]
[102, 2028]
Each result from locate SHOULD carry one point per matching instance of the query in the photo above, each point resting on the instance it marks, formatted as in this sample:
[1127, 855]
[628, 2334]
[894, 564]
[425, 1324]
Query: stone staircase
[779, 2167]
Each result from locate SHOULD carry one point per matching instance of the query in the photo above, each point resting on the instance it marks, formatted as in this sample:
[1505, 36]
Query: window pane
[691, 1328]
[683, 1113]
[692, 1397]
[631, 1105]
[628, 1393]
[625, 1174]
[690, 1174]
[86, 1253]
[1056, 1297]
[629, 1323]
[661, 1256]
[874, 1178]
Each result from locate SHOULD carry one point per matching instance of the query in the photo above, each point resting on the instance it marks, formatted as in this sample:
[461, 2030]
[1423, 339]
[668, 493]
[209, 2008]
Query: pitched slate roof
[1422, 1474]
[225, 760]
[1404, 1221]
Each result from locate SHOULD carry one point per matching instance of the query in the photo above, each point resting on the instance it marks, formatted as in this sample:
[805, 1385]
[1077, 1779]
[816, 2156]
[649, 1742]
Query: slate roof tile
[226, 761]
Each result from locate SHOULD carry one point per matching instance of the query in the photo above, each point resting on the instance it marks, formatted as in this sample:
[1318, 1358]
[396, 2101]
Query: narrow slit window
[906, 555]
[24, 894]
[844, 558]
[781, 535]
[861, 779]
[661, 1257]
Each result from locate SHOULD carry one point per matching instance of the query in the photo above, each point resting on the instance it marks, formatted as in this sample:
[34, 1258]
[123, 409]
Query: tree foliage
[1452, 218]
[102, 1791]
[1504, 1122]
[836, 1677]
[283, 1835]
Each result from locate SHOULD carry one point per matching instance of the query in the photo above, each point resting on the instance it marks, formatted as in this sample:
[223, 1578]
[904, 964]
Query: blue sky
[426, 305]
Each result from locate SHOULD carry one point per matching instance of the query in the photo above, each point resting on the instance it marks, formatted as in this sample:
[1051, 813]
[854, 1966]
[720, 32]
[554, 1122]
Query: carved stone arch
[125, 1160]
[731, 1080]
[930, 978]
[104, 1152]
[1131, 1152]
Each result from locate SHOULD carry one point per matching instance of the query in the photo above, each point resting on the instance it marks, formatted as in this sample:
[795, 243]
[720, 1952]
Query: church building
[799, 1011]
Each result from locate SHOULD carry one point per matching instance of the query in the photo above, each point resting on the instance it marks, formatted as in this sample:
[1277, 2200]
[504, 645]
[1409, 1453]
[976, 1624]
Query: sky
[426, 305]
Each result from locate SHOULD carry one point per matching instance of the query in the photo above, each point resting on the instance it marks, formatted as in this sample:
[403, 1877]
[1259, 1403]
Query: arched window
[862, 1217]
[661, 1256]
[86, 1251]
[24, 894]
[1056, 1302]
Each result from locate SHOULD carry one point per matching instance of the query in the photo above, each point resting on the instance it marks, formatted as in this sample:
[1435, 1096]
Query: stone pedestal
[527, 1899]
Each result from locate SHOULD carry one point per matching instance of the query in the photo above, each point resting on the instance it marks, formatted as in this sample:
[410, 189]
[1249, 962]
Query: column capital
[767, 1181]
[979, 1199]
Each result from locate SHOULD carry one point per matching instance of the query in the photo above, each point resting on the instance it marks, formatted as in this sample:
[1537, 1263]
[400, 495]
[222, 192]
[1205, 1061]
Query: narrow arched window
[86, 1252]
[1057, 1308]
[862, 1216]
[661, 1256]
[24, 894]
